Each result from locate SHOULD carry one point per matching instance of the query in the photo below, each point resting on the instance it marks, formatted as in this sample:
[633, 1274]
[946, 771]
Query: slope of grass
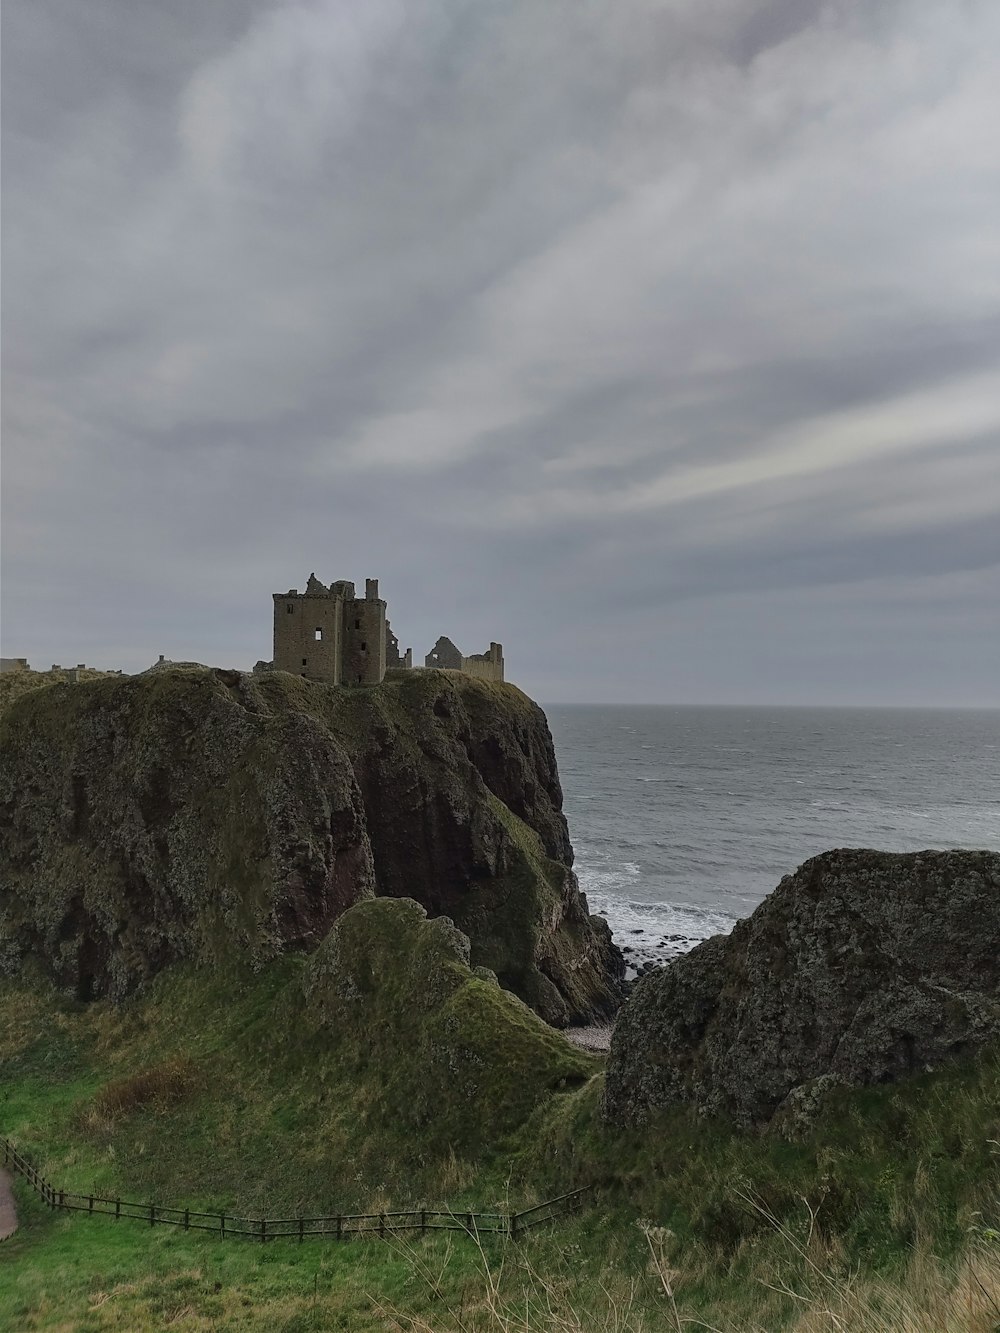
[317, 1083]
[268, 1094]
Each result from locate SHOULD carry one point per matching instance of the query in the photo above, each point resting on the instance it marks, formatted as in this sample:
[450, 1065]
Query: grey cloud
[465, 296]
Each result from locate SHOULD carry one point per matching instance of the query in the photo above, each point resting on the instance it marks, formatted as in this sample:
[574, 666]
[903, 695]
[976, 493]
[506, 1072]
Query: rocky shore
[645, 952]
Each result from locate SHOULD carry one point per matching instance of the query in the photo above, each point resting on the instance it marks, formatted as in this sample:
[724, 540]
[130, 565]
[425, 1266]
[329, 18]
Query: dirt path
[8, 1214]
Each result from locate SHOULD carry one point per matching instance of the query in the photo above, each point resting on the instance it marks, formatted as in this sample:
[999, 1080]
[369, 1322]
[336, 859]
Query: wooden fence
[339, 1226]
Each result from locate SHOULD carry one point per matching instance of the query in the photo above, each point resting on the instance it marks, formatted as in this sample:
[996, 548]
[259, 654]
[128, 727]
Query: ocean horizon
[683, 817]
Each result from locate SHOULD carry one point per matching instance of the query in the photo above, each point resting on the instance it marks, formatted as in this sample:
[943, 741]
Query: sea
[684, 818]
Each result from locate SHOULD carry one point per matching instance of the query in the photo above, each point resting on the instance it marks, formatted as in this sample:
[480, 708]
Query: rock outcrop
[196, 813]
[860, 968]
[457, 1060]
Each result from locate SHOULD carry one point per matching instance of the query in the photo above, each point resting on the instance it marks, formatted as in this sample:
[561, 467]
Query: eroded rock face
[171, 815]
[861, 967]
[197, 813]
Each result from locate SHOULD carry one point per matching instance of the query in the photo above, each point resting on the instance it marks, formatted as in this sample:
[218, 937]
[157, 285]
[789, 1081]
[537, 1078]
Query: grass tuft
[159, 1087]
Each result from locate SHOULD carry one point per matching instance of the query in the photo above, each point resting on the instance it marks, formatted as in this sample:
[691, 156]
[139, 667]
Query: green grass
[261, 1094]
[365, 1070]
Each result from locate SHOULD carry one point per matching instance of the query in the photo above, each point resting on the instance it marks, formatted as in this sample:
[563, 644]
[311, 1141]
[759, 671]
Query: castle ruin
[444, 656]
[331, 635]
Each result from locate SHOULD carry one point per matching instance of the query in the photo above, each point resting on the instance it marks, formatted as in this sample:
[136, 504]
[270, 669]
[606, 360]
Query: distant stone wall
[487, 666]
[14, 664]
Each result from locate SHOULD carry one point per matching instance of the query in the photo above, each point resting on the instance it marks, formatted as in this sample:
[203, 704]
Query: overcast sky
[659, 341]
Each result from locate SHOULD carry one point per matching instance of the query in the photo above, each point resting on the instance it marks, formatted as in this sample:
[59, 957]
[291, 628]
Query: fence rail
[338, 1225]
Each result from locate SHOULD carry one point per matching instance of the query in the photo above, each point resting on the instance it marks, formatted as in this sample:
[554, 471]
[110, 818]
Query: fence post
[90, 1203]
[302, 1227]
[62, 1198]
[339, 1225]
[263, 1226]
[222, 1225]
[187, 1219]
[381, 1225]
[423, 1219]
[512, 1222]
[152, 1214]
[118, 1208]
[472, 1225]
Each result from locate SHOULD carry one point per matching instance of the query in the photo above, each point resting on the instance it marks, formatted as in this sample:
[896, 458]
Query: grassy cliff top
[15, 684]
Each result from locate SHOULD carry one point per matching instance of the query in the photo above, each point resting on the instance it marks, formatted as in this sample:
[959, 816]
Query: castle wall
[308, 635]
[486, 666]
[364, 639]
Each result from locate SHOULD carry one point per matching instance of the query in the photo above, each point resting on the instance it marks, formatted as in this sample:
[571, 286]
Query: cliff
[860, 968]
[201, 814]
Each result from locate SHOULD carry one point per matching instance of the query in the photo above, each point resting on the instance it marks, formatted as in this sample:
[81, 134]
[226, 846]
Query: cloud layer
[660, 341]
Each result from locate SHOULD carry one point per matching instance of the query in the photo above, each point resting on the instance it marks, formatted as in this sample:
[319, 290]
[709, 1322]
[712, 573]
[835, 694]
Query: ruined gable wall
[444, 655]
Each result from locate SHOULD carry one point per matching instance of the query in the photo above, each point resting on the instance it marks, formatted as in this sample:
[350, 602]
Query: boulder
[860, 968]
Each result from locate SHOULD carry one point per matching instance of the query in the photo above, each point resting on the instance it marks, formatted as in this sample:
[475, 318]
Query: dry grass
[802, 1287]
[162, 1085]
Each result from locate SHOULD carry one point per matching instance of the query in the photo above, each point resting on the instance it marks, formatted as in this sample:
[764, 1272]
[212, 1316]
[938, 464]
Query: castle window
[357, 624]
[303, 661]
[319, 633]
[364, 647]
[290, 608]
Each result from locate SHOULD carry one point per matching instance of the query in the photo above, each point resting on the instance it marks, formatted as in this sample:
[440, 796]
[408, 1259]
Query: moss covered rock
[211, 814]
[153, 818]
[460, 1060]
[860, 968]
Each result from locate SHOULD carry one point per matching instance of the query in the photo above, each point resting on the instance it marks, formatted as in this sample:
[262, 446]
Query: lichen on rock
[862, 967]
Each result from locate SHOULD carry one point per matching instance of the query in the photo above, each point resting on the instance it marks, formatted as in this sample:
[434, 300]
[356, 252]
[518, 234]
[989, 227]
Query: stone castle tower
[329, 634]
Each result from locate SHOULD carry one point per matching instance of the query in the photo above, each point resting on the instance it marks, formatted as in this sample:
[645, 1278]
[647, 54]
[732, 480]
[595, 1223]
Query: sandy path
[8, 1214]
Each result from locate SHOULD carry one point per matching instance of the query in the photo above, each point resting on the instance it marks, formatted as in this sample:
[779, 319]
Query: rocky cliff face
[191, 813]
[860, 968]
